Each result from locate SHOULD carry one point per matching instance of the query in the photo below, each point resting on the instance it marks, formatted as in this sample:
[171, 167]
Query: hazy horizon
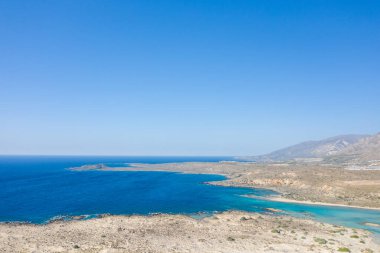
[185, 78]
[165, 155]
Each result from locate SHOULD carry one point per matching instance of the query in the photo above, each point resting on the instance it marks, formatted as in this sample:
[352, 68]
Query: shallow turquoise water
[36, 189]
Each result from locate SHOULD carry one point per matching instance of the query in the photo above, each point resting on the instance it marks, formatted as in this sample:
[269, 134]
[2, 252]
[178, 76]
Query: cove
[37, 189]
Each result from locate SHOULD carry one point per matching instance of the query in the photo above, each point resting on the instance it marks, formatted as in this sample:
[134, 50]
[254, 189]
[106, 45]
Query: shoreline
[230, 231]
[143, 167]
[308, 202]
[224, 231]
[147, 167]
[82, 217]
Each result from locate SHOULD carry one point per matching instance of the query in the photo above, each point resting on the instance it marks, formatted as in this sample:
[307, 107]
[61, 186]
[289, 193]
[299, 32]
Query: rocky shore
[225, 232]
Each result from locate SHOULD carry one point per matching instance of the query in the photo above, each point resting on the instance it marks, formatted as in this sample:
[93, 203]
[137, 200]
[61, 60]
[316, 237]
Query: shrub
[320, 240]
[230, 239]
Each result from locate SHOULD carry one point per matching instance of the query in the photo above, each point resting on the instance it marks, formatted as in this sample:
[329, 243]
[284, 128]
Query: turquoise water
[38, 189]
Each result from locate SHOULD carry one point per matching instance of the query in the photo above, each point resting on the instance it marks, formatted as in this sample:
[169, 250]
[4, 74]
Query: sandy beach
[282, 199]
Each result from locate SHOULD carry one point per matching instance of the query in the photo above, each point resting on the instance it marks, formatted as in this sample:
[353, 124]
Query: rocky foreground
[226, 232]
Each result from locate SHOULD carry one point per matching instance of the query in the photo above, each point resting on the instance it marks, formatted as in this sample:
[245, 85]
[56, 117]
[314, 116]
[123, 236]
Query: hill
[366, 150]
[321, 149]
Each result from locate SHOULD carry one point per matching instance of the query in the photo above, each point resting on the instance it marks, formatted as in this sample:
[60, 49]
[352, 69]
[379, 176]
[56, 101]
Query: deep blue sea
[39, 188]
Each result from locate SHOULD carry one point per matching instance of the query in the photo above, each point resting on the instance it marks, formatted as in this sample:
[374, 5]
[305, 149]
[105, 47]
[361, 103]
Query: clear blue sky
[185, 77]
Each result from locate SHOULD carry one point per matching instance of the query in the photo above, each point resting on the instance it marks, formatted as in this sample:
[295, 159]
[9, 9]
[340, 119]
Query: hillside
[366, 150]
[311, 149]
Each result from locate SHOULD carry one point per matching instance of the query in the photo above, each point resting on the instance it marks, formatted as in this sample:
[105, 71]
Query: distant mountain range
[344, 148]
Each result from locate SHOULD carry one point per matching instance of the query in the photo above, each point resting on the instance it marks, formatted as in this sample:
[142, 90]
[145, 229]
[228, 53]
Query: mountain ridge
[348, 148]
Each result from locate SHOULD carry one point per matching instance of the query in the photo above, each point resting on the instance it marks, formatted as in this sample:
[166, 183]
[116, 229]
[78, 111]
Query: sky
[175, 77]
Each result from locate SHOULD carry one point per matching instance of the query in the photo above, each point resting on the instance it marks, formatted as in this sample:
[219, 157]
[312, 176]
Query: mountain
[366, 150]
[313, 149]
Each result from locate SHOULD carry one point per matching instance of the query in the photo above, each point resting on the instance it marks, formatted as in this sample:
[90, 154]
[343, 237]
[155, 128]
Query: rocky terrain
[313, 183]
[227, 232]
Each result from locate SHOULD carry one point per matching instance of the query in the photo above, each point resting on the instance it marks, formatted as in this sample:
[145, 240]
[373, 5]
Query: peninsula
[341, 177]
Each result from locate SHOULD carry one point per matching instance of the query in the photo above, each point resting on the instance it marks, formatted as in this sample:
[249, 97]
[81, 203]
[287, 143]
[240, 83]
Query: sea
[41, 189]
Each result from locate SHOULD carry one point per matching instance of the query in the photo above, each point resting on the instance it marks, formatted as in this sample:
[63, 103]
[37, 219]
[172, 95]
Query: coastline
[308, 202]
[228, 181]
[232, 179]
[230, 231]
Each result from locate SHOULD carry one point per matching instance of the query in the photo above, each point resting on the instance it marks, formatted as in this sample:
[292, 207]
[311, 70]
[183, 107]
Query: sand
[282, 199]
